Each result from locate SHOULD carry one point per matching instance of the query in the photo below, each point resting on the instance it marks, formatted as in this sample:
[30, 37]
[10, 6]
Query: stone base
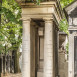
[1, 74]
[39, 74]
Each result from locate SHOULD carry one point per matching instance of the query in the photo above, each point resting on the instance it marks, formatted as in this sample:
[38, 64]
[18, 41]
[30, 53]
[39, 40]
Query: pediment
[73, 13]
[71, 9]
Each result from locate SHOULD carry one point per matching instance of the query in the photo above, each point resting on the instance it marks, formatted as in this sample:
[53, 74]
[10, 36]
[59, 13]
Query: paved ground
[13, 75]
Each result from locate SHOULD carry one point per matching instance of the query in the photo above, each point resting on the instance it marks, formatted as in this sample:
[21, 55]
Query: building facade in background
[71, 14]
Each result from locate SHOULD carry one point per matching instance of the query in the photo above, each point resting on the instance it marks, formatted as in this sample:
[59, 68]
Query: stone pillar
[71, 56]
[26, 49]
[48, 48]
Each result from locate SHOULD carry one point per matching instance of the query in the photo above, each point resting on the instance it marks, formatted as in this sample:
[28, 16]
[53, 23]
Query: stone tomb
[62, 55]
[71, 14]
[40, 38]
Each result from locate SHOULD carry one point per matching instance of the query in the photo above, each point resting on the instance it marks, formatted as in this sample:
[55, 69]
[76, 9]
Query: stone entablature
[32, 2]
[45, 9]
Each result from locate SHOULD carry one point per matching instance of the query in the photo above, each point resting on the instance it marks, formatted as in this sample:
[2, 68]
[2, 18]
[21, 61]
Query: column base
[1, 74]
[39, 74]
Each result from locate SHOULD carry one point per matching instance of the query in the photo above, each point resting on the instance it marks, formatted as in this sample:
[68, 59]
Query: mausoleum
[40, 38]
[71, 15]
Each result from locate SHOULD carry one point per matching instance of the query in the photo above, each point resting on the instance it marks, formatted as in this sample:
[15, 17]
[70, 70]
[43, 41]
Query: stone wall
[63, 65]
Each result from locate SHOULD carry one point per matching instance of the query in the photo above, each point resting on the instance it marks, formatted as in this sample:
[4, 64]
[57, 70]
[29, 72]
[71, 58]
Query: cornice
[55, 4]
[50, 10]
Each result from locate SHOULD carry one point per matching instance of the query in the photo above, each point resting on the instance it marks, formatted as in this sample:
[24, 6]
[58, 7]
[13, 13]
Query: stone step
[13, 75]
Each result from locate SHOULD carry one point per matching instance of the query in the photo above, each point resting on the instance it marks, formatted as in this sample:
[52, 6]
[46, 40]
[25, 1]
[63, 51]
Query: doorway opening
[37, 49]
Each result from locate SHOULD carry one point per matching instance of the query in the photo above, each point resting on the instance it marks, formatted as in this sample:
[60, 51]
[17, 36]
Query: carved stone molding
[26, 19]
[73, 32]
[48, 20]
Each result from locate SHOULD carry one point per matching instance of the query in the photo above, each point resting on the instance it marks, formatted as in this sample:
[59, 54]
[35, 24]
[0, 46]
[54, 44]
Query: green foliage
[65, 2]
[63, 25]
[11, 26]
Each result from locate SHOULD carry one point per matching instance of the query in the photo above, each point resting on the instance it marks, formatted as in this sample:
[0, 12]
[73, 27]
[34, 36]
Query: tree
[65, 2]
[11, 28]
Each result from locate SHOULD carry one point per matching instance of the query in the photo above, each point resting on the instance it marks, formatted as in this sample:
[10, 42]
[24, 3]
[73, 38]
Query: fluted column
[48, 48]
[26, 49]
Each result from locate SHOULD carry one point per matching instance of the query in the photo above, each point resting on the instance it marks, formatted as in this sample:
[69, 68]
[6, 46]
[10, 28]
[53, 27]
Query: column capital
[48, 20]
[26, 19]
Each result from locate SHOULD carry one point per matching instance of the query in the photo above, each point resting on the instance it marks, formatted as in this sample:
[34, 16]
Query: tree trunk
[16, 62]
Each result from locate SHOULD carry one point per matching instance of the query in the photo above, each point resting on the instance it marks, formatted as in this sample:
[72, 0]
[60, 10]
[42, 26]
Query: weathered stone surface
[26, 49]
[62, 55]
[71, 12]
[13, 75]
[48, 49]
